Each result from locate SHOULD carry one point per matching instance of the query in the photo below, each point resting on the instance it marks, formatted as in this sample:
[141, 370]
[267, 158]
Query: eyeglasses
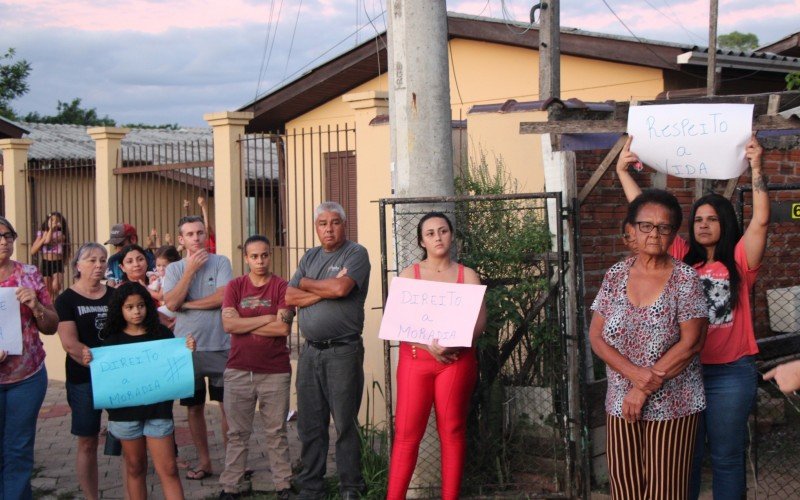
[10, 236]
[647, 227]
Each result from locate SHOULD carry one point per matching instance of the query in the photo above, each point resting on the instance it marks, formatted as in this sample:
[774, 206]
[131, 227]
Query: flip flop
[198, 474]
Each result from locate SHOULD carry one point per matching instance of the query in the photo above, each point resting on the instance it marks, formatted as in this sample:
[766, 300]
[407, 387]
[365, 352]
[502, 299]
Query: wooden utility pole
[550, 50]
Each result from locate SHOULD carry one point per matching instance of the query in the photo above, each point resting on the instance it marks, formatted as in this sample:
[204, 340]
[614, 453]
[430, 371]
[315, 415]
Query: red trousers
[422, 382]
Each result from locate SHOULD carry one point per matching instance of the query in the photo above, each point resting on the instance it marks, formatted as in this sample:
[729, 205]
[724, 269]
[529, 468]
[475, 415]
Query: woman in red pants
[434, 375]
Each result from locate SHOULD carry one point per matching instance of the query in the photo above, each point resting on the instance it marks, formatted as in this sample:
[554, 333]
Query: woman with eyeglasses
[82, 313]
[648, 327]
[23, 377]
[728, 263]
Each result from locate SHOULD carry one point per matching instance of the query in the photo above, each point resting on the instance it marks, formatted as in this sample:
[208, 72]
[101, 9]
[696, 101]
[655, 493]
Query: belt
[326, 344]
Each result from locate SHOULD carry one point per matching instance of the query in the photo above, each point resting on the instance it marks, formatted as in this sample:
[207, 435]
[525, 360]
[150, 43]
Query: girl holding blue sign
[727, 261]
[132, 317]
[433, 375]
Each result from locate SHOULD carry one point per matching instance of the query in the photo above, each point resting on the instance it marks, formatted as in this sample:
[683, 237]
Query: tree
[793, 81]
[737, 41]
[13, 84]
[71, 113]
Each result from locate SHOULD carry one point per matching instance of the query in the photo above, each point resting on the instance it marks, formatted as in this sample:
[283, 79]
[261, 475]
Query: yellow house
[335, 120]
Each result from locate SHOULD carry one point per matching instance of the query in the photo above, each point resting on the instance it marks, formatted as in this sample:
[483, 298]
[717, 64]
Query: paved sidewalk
[56, 447]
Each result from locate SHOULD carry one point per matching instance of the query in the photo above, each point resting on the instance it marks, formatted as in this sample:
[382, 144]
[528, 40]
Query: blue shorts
[153, 428]
[85, 419]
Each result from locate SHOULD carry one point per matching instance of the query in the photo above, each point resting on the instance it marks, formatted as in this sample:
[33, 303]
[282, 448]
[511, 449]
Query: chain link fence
[518, 438]
[775, 426]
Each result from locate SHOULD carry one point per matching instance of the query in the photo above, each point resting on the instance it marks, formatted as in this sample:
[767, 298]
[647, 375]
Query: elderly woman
[23, 377]
[728, 263]
[648, 326]
[82, 313]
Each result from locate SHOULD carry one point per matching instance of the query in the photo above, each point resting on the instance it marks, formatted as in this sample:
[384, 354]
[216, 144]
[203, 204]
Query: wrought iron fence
[285, 176]
[518, 430]
[157, 184]
[65, 186]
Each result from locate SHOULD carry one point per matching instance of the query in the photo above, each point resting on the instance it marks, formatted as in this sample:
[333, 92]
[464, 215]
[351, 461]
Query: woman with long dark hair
[727, 262]
[433, 375]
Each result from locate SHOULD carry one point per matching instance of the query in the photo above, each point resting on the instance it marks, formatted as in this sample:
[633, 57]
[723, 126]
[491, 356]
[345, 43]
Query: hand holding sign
[141, 373]
[705, 141]
[10, 321]
[426, 311]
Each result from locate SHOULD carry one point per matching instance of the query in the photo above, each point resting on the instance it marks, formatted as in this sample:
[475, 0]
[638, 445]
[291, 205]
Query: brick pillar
[107, 141]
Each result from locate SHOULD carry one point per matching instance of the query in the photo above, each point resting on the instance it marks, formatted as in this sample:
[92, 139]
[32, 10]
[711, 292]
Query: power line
[291, 43]
[674, 18]
[266, 45]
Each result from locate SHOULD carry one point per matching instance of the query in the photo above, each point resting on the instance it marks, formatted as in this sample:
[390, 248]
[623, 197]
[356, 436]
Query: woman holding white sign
[23, 377]
[434, 375]
[727, 262]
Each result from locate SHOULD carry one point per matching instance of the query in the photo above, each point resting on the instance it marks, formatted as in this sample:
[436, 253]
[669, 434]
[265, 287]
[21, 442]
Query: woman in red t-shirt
[727, 262]
[434, 375]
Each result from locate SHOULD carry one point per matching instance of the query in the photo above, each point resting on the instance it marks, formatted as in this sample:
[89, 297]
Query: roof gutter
[778, 64]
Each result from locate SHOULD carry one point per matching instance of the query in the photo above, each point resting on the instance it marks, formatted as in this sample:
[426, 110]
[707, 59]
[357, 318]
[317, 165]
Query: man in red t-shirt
[255, 314]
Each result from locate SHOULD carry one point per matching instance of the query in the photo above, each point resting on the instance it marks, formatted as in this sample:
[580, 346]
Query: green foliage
[13, 81]
[506, 242]
[793, 81]
[71, 113]
[737, 41]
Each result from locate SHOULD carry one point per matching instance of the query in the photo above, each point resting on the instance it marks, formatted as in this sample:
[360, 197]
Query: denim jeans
[329, 382]
[19, 408]
[730, 395]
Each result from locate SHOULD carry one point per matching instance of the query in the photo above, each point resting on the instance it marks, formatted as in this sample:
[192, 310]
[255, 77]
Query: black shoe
[350, 495]
[224, 495]
[284, 494]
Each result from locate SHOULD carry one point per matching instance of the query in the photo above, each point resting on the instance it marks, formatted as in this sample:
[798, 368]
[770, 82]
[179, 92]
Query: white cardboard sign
[700, 141]
[10, 321]
[421, 311]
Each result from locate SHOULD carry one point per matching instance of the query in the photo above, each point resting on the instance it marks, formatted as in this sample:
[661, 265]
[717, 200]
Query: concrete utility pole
[550, 50]
[422, 150]
[419, 98]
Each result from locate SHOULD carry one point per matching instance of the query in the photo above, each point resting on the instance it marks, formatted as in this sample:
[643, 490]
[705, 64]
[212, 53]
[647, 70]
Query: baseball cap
[119, 233]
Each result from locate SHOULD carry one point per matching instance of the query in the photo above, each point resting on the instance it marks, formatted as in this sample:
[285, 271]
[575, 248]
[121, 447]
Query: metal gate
[775, 438]
[518, 436]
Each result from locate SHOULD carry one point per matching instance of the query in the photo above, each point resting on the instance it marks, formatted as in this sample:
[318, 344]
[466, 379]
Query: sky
[165, 61]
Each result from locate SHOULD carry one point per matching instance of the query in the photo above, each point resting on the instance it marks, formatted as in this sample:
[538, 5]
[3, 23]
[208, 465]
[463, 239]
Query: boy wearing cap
[122, 235]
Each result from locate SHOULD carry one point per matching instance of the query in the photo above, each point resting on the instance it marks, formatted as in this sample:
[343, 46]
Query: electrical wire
[266, 45]
[508, 18]
[674, 19]
[291, 43]
[312, 61]
[272, 42]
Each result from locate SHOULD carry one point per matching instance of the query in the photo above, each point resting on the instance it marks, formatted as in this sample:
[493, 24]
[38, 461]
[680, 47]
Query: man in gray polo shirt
[329, 288]
[194, 288]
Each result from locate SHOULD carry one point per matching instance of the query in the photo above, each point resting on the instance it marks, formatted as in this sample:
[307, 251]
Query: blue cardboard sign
[141, 373]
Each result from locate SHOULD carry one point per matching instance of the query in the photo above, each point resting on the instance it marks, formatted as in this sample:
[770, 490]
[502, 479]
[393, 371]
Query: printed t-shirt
[644, 334]
[19, 367]
[334, 318]
[141, 412]
[251, 352]
[730, 330]
[90, 317]
[54, 247]
[204, 324]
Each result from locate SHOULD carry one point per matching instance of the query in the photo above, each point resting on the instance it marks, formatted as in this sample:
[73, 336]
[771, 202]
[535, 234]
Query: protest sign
[10, 321]
[141, 373]
[421, 311]
[702, 141]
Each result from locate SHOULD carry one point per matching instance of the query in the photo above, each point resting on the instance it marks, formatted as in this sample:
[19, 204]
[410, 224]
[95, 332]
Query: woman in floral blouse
[649, 325]
[23, 377]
